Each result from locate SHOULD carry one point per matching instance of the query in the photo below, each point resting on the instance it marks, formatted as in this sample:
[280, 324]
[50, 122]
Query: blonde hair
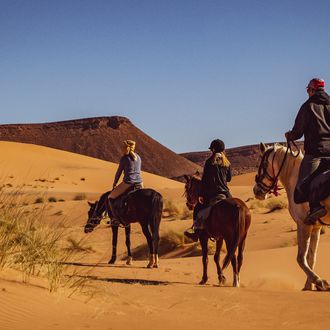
[225, 161]
[130, 147]
[221, 159]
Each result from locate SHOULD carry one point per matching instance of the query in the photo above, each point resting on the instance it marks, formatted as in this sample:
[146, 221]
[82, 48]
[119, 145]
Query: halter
[262, 172]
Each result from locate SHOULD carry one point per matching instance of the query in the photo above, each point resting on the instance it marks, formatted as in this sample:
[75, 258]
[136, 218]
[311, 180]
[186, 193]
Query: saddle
[204, 213]
[119, 205]
[317, 180]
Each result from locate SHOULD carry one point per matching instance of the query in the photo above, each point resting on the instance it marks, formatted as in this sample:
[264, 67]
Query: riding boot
[316, 211]
[114, 218]
[192, 233]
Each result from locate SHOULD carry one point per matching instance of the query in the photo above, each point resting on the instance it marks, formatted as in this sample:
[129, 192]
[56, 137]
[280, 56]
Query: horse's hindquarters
[326, 204]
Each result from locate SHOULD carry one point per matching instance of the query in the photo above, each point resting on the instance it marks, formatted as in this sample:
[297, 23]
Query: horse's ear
[197, 173]
[90, 204]
[263, 148]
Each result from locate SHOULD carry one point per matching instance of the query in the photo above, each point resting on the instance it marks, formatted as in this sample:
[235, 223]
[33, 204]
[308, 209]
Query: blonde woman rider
[216, 174]
[130, 164]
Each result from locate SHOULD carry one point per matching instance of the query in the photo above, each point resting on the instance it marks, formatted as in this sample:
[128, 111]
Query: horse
[229, 221]
[144, 206]
[99, 210]
[280, 163]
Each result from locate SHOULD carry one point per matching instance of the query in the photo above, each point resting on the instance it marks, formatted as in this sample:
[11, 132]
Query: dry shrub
[276, 203]
[272, 204]
[80, 197]
[171, 209]
[29, 245]
[171, 241]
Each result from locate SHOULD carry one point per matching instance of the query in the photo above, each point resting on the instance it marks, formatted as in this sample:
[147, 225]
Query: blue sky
[184, 72]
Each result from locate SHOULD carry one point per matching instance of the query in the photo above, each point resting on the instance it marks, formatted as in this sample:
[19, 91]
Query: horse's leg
[240, 257]
[114, 244]
[204, 243]
[234, 264]
[148, 236]
[155, 240]
[221, 277]
[311, 255]
[128, 244]
[304, 237]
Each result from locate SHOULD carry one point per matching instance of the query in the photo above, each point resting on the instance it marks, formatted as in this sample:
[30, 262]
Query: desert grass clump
[276, 203]
[171, 209]
[39, 200]
[29, 245]
[52, 199]
[80, 197]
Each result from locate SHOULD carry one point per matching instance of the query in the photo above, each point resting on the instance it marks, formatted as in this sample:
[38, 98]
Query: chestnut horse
[229, 221]
[144, 206]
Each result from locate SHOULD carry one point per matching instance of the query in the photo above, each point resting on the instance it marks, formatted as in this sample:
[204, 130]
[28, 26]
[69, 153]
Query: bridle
[188, 191]
[263, 173]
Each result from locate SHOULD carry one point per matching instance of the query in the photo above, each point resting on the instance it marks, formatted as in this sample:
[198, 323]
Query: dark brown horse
[144, 206]
[229, 221]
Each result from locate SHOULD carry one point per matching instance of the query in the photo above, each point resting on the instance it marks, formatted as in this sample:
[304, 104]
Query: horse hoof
[112, 261]
[155, 266]
[202, 282]
[222, 281]
[322, 285]
[129, 261]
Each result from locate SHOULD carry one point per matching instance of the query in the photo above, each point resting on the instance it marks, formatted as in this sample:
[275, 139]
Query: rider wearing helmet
[216, 174]
[312, 121]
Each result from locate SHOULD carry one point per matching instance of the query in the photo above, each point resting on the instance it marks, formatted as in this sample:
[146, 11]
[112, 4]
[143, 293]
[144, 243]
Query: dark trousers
[309, 165]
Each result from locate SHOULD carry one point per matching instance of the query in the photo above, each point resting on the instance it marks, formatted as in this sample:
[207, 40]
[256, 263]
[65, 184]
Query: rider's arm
[299, 126]
[119, 171]
[229, 174]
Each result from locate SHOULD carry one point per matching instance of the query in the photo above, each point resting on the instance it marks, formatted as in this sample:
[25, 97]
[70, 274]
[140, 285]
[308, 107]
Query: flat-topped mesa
[101, 137]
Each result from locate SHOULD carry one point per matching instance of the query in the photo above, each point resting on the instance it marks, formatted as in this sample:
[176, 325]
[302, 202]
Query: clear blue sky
[184, 72]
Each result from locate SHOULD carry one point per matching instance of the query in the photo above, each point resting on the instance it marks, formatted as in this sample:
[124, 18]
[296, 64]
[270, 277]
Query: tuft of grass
[52, 199]
[30, 245]
[39, 200]
[80, 197]
[276, 203]
[170, 209]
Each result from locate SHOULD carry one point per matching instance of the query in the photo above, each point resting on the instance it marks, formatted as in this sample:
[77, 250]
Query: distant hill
[244, 159]
[101, 138]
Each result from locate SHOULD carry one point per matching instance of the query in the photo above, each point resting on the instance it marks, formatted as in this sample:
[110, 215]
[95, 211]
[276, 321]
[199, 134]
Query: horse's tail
[156, 210]
[239, 228]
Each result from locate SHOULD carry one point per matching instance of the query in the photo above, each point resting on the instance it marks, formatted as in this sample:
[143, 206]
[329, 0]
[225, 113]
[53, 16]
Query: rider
[130, 164]
[216, 174]
[312, 121]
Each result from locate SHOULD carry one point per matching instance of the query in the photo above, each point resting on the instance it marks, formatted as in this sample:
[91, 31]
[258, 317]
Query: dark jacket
[215, 178]
[313, 121]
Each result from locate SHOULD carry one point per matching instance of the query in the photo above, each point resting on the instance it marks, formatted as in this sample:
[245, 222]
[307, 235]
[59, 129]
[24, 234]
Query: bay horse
[280, 163]
[144, 206]
[229, 221]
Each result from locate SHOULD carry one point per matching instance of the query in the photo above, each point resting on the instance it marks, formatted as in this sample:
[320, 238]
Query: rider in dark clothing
[313, 121]
[216, 174]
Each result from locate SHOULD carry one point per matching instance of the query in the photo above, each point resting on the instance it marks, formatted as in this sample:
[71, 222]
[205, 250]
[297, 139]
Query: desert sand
[123, 297]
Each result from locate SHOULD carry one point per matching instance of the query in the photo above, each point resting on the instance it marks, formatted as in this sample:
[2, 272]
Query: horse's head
[94, 217]
[265, 179]
[192, 188]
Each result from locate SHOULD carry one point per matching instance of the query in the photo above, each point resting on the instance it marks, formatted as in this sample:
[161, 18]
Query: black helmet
[217, 146]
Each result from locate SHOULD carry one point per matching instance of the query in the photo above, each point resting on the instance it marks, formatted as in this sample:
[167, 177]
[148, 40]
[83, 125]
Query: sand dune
[122, 297]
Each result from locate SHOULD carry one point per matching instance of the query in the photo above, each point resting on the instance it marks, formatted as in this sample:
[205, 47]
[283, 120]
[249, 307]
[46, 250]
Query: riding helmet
[217, 146]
